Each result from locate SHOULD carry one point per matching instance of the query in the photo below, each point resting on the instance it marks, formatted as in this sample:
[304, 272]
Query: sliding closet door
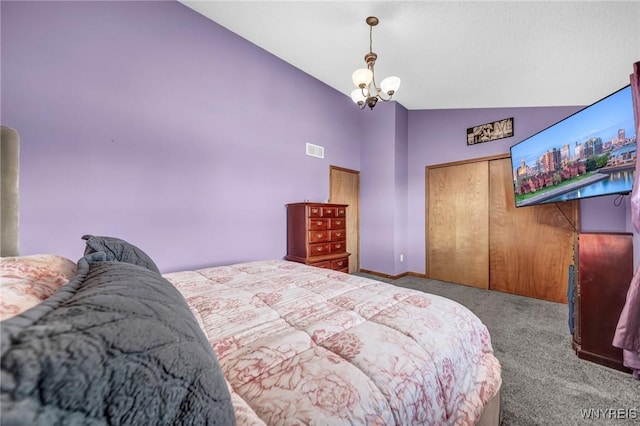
[457, 223]
[476, 236]
[530, 248]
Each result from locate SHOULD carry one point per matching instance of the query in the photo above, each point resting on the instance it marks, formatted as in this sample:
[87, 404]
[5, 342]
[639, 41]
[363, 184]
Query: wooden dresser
[317, 235]
[605, 270]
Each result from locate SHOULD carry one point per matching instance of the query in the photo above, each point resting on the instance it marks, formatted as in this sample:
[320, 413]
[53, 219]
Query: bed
[258, 343]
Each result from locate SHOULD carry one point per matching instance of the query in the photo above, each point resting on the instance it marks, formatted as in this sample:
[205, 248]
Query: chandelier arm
[382, 97]
[373, 83]
[378, 91]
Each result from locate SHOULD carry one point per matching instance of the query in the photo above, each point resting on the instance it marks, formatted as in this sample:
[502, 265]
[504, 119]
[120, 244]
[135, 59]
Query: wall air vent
[315, 150]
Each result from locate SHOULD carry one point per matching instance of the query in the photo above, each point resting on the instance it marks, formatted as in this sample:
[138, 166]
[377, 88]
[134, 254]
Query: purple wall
[439, 136]
[401, 189]
[383, 188]
[147, 121]
[377, 188]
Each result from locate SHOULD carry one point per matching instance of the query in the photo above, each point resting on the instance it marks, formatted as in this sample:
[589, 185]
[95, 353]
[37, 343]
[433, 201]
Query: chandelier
[368, 93]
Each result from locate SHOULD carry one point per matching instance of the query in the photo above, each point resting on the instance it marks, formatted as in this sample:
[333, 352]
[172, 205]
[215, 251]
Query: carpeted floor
[544, 382]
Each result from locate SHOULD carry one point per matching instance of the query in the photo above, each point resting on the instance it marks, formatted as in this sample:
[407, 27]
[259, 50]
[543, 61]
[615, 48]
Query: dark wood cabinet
[604, 272]
[317, 235]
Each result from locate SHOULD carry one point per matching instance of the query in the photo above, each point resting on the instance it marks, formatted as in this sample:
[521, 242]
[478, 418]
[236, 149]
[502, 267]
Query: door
[344, 188]
[530, 248]
[457, 223]
[476, 236]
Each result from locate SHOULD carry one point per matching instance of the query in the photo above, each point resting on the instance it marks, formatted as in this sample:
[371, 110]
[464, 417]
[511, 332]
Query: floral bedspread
[304, 345]
[25, 281]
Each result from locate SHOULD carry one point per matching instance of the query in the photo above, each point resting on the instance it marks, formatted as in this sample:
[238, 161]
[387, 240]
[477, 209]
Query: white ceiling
[451, 54]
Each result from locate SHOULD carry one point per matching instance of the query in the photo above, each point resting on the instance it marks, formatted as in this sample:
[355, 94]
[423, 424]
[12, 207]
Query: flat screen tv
[591, 153]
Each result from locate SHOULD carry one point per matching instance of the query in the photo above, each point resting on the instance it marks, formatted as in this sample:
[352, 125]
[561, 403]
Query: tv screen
[588, 154]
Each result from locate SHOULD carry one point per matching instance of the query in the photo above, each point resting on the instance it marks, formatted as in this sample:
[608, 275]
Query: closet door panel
[530, 248]
[457, 224]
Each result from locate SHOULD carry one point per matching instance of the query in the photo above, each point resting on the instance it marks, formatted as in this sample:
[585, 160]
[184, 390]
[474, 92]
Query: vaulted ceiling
[451, 54]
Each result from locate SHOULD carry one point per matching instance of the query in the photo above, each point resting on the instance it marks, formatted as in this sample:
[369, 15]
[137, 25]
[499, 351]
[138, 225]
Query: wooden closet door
[530, 248]
[457, 223]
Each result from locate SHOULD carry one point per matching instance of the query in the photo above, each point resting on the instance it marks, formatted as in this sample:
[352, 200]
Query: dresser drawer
[338, 247]
[338, 223]
[337, 235]
[325, 264]
[329, 211]
[326, 212]
[315, 224]
[319, 236]
[340, 264]
[319, 249]
[315, 211]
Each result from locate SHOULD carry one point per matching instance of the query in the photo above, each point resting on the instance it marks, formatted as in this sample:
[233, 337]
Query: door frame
[356, 231]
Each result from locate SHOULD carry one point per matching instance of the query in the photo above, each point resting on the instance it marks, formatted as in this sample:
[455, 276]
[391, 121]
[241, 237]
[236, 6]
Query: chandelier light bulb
[362, 77]
[359, 96]
[390, 85]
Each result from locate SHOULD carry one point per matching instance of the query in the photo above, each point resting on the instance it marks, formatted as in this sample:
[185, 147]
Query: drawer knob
[338, 222]
[319, 249]
[319, 223]
[338, 246]
[319, 235]
[338, 234]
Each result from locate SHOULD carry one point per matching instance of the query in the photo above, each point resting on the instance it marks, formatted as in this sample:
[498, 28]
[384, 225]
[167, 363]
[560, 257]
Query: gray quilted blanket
[117, 345]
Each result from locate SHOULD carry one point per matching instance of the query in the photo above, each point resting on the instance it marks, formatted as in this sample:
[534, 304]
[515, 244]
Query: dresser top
[310, 203]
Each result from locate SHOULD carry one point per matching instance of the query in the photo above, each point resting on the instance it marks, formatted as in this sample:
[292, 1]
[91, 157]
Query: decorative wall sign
[490, 131]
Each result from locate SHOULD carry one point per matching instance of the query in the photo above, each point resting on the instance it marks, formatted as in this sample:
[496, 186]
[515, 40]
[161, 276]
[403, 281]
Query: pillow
[25, 281]
[116, 345]
[121, 250]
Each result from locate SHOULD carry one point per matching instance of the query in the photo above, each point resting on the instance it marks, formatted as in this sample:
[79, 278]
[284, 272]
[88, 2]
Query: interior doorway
[344, 188]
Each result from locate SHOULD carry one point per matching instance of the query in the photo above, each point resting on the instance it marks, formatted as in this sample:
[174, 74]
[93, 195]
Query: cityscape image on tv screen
[588, 154]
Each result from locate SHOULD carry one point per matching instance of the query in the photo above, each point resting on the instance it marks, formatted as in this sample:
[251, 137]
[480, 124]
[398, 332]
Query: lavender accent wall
[439, 136]
[377, 188]
[606, 214]
[383, 222]
[146, 121]
[401, 190]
